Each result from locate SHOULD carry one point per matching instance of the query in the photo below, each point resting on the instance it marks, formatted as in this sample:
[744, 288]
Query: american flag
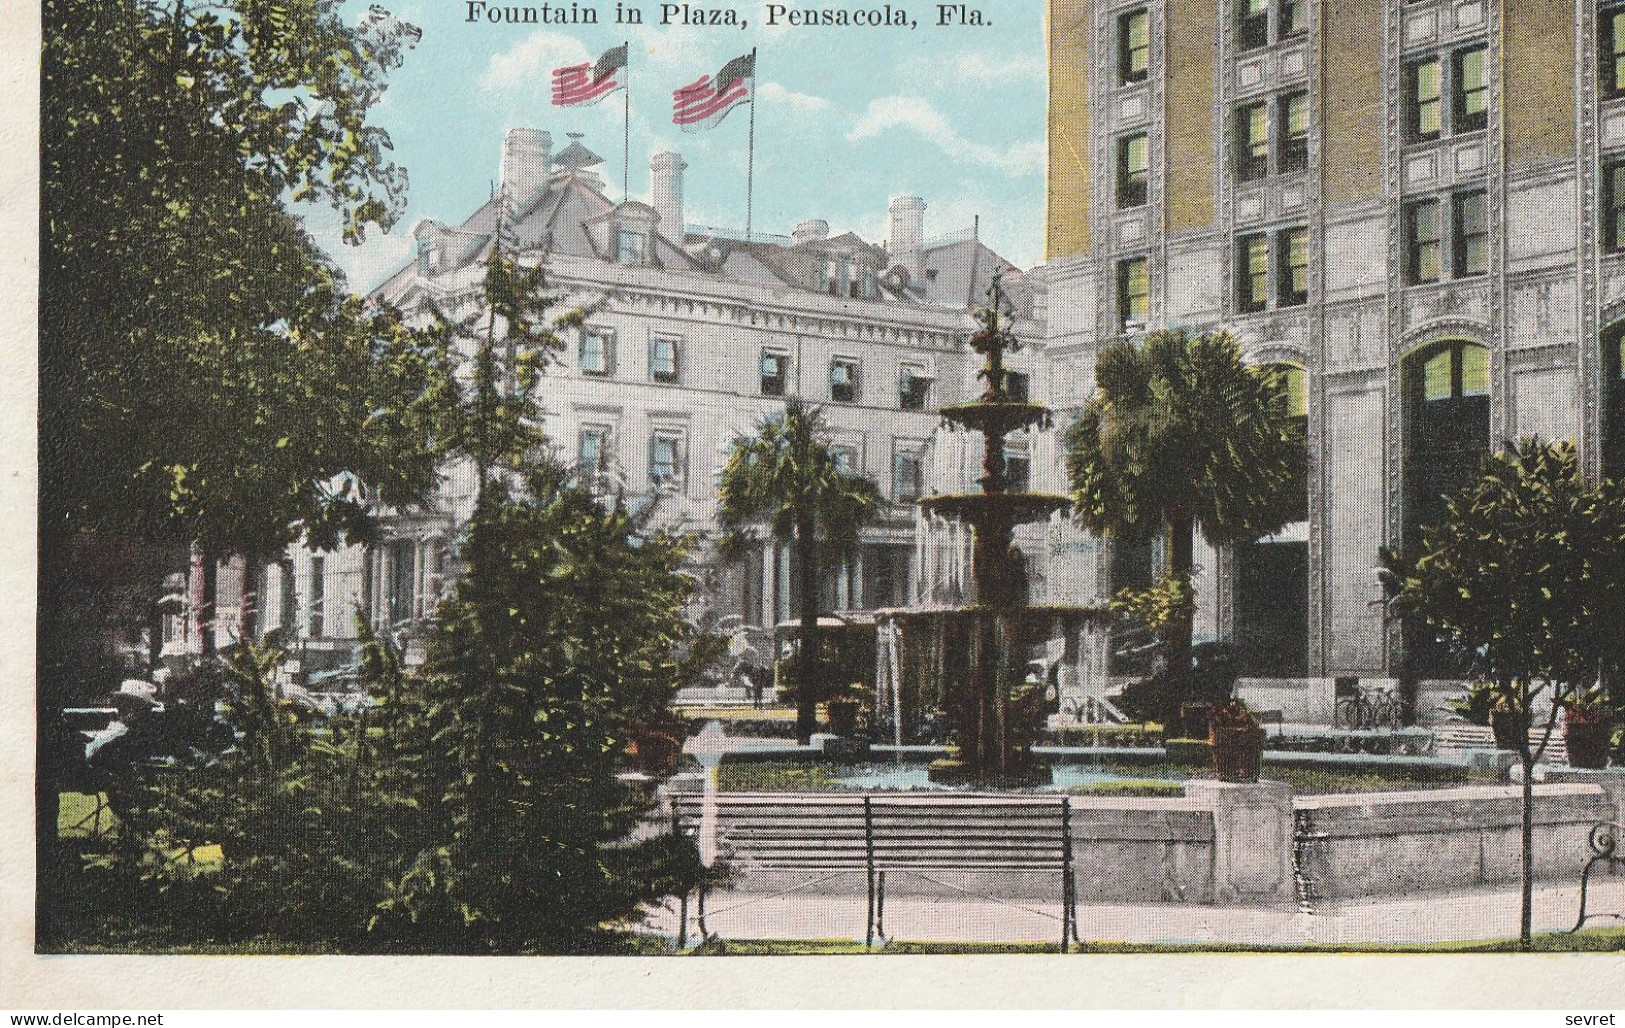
[579, 85]
[704, 103]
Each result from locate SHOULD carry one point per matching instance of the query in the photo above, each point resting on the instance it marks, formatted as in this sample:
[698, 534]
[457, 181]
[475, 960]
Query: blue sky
[846, 119]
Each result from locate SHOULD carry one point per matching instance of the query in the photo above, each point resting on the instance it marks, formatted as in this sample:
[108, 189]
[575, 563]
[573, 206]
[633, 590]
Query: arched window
[1613, 400]
[1271, 580]
[1446, 392]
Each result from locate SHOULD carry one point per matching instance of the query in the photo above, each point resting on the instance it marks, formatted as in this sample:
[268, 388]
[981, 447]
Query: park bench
[1271, 717]
[1604, 850]
[1453, 738]
[832, 834]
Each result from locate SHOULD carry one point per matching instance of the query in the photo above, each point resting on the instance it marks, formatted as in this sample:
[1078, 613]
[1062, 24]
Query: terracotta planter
[1236, 752]
[1506, 727]
[843, 716]
[654, 750]
[1194, 719]
[1587, 743]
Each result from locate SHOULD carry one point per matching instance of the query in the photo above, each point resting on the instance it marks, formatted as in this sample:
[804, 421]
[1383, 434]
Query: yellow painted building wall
[1353, 140]
[1067, 226]
[1538, 70]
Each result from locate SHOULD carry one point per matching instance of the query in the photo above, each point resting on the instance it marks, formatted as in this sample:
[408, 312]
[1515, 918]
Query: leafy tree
[566, 630]
[784, 476]
[204, 376]
[1523, 581]
[1182, 435]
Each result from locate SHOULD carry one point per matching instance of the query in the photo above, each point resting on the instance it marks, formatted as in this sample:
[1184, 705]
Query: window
[1468, 87]
[1470, 245]
[775, 373]
[663, 365]
[846, 459]
[1133, 294]
[665, 460]
[1293, 131]
[631, 247]
[835, 277]
[400, 581]
[1422, 241]
[913, 388]
[1252, 23]
[1252, 273]
[1133, 169]
[1613, 207]
[1252, 142]
[1018, 467]
[843, 380]
[1293, 275]
[1611, 51]
[1133, 46]
[316, 622]
[597, 352]
[1470, 91]
[1423, 111]
[1456, 371]
[1018, 387]
[592, 448]
[907, 474]
[1290, 18]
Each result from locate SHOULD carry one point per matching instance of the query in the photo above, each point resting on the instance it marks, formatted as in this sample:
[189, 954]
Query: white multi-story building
[694, 335]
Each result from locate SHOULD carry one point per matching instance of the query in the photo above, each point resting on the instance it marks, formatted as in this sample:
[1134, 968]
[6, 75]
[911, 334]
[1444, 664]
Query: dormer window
[631, 247]
[835, 277]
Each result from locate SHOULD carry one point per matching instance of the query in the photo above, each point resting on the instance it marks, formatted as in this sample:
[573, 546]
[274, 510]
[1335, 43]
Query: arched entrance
[1270, 592]
[1446, 391]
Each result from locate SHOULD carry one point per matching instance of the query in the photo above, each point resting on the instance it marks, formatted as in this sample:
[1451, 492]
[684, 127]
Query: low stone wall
[1259, 845]
[1361, 845]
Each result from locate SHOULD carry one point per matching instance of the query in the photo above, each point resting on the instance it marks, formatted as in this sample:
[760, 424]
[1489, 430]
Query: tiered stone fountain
[987, 708]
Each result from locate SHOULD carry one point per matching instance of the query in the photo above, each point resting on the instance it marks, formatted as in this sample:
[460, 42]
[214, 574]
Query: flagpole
[750, 159]
[626, 128]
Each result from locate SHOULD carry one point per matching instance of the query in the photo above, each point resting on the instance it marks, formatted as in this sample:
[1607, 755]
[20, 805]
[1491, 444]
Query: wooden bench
[1604, 841]
[1453, 738]
[1271, 717]
[831, 834]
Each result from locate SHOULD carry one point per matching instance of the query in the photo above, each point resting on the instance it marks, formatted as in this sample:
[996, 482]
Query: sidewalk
[1479, 914]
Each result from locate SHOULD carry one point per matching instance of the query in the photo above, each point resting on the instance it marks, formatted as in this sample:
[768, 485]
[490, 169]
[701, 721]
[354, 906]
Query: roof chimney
[811, 230]
[666, 185]
[527, 163]
[907, 234]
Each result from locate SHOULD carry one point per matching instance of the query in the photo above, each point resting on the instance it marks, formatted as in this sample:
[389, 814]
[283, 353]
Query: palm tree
[784, 477]
[1182, 435]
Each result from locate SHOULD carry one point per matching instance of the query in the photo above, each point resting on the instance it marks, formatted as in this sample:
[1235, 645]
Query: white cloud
[796, 103]
[969, 69]
[917, 115]
[530, 62]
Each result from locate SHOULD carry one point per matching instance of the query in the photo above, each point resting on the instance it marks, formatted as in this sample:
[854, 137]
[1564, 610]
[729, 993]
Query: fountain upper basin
[986, 508]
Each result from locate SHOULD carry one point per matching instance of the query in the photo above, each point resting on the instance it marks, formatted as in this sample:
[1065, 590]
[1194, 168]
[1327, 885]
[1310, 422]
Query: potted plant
[1506, 723]
[1236, 742]
[655, 748]
[1587, 730]
[844, 708]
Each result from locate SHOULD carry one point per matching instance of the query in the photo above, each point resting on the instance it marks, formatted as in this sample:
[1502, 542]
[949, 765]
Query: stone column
[1252, 840]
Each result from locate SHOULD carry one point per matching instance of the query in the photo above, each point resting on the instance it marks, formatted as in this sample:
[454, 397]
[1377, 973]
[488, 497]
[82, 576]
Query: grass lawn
[78, 817]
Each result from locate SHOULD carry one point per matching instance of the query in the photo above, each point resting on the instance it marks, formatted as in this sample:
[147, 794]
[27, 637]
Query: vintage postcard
[640, 481]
